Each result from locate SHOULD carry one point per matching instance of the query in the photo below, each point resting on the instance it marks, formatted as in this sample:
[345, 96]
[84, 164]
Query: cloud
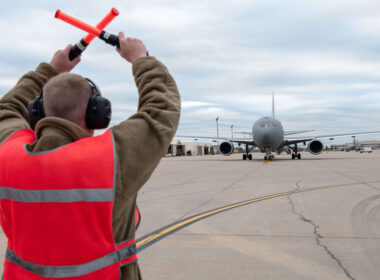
[192, 104]
[321, 58]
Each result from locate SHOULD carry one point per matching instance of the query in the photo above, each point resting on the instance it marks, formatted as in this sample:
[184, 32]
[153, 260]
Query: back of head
[66, 96]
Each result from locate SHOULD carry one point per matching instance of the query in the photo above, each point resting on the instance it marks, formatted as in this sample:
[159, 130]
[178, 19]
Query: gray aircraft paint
[268, 133]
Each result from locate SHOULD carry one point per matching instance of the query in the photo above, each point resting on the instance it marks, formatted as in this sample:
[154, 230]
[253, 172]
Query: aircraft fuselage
[268, 133]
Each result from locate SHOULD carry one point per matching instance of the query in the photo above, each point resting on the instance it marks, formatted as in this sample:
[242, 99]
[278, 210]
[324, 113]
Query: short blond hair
[66, 96]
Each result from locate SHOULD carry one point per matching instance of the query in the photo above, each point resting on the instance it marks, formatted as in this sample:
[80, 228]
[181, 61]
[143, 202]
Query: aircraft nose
[263, 138]
[266, 136]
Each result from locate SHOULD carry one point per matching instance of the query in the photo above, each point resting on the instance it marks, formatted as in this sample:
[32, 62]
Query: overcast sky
[321, 58]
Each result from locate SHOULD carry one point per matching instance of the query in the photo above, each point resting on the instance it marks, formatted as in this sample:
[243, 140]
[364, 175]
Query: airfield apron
[56, 210]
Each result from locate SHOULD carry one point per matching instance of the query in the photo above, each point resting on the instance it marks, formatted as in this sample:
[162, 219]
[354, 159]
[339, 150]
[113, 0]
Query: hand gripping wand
[94, 31]
[79, 47]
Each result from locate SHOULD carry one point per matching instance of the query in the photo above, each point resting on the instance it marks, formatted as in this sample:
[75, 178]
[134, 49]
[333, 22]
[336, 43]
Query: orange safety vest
[56, 210]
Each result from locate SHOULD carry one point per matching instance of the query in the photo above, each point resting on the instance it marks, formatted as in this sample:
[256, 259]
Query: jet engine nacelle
[315, 147]
[226, 148]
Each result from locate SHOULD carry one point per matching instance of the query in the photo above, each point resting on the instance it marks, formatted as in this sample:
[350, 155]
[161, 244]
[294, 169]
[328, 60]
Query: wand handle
[77, 49]
[111, 39]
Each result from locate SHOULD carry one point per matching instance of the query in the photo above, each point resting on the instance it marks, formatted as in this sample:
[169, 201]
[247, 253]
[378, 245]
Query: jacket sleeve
[144, 138]
[14, 105]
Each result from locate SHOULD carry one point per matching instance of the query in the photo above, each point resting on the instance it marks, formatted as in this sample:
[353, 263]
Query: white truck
[366, 149]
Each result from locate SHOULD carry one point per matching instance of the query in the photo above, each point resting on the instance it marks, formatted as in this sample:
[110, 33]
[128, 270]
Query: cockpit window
[267, 125]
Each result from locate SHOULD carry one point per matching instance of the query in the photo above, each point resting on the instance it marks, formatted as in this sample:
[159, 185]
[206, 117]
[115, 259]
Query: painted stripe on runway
[157, 235]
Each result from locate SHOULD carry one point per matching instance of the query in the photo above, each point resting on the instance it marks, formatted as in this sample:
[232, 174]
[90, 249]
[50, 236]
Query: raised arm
[14, 105]
[144, 138]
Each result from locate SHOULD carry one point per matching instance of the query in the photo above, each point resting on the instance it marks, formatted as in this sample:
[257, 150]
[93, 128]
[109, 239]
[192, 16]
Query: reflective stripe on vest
[56, 210]
[74, 195]
[125, 253]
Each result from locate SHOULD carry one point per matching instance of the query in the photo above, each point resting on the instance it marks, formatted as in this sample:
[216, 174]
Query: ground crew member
[67, 198]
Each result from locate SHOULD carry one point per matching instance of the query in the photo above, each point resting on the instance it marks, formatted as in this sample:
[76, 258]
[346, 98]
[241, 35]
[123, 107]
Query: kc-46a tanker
[269, 136]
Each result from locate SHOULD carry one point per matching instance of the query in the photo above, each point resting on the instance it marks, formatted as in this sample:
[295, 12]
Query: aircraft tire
[299, 156]
[250, 157]
[244, 157]
[293, 156]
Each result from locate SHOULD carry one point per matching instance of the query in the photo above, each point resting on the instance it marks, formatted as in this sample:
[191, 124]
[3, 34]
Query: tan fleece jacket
[140, 141]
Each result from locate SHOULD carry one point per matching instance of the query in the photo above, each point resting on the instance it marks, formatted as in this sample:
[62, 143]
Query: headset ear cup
[98, 113]
[35, 111]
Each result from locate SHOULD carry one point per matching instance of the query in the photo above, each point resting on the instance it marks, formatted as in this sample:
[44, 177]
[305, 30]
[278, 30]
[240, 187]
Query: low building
[373, 143]
[178, 148]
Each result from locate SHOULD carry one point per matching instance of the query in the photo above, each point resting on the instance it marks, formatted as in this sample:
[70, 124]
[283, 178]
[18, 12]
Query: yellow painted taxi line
[165, 231]
[200, 216]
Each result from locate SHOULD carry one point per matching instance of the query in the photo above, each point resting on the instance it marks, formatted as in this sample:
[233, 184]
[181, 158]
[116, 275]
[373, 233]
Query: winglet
[273, 115]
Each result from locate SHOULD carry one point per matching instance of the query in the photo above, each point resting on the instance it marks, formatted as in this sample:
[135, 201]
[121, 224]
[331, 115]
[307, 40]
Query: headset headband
[98, 112]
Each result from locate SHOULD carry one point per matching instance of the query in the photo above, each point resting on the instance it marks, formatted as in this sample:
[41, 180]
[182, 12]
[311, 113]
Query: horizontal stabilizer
[296, 132]
[214, 139]
[244, 132]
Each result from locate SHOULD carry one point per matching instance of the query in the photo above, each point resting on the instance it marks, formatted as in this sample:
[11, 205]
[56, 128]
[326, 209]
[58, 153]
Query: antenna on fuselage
[273, 115]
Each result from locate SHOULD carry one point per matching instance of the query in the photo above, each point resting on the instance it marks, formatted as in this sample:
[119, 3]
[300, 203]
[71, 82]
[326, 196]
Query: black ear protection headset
[98, 113]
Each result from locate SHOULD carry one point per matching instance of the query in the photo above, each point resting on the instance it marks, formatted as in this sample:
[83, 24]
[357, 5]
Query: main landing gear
[296, 156]
[295, 153]
[247, 154]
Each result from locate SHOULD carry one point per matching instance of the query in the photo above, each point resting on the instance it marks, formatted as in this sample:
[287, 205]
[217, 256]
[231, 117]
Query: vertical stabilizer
[273, 115]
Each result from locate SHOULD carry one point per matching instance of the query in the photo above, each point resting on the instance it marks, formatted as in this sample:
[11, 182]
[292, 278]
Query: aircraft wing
[245, 141]
[295, 140]
[332, 137]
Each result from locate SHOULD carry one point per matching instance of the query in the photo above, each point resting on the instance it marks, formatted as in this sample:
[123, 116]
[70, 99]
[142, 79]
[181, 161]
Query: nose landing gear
[268, 155]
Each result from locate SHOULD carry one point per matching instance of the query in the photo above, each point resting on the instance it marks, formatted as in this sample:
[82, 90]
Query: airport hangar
[179, 148]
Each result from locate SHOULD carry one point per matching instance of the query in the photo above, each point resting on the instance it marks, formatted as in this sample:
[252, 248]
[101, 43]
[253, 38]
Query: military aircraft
[269, 136]
[352, 146]
[355, 145]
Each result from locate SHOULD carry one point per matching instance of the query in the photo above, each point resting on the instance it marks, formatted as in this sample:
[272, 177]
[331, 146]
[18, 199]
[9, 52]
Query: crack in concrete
[298, 186]
[368, 185]
[317, 235]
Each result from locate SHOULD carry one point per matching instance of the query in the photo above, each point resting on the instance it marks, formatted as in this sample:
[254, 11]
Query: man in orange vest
[68, 198]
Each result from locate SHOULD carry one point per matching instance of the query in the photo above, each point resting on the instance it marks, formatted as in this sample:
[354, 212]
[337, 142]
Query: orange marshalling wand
[102, 24]
[78, 48]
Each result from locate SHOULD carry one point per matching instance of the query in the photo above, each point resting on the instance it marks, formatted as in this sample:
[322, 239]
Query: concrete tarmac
[331, 231]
